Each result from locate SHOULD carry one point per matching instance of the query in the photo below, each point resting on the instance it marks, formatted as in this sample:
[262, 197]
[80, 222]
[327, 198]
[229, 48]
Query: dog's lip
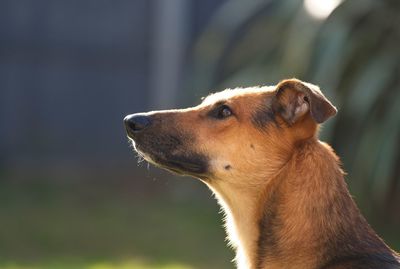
[178, 164]
[129, 133]
[184, 166]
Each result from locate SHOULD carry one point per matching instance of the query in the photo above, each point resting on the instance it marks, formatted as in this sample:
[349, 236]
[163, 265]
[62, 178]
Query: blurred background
[72, 194]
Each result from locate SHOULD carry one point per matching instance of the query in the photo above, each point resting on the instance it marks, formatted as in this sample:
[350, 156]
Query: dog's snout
[135, 123]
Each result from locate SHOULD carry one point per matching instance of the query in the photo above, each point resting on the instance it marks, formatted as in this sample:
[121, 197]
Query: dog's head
[232, 132]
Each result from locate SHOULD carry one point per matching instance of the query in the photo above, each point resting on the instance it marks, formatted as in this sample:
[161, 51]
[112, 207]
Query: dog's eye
[223, 112]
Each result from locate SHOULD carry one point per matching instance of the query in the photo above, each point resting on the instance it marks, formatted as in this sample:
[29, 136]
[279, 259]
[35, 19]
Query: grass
[96, 265]
[107, 225]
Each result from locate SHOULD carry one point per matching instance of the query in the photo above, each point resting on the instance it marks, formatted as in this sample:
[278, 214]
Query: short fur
[282, 190]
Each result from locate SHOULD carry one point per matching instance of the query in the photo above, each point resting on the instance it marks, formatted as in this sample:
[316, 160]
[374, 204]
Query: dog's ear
[295, 99]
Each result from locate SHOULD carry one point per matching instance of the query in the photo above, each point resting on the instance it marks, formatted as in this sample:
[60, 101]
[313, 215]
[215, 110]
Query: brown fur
[283, 191]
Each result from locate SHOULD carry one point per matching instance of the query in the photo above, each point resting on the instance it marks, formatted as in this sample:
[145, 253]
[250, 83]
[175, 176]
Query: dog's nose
[136, 122]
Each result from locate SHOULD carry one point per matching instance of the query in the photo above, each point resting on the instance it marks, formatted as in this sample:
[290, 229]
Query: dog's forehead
[235, 93]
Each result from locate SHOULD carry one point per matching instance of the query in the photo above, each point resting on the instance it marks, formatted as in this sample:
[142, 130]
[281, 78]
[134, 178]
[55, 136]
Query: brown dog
[283, 191]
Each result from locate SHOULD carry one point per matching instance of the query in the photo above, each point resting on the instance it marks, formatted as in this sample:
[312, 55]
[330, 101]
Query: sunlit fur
[285, 200]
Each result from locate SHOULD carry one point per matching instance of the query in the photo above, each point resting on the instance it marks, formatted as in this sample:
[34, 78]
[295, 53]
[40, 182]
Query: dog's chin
[192, 164]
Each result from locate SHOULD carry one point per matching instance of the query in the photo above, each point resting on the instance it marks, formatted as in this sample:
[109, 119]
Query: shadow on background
[71, 193]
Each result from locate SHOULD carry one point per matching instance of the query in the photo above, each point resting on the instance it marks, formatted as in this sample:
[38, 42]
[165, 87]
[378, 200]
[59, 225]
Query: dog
[283, 191]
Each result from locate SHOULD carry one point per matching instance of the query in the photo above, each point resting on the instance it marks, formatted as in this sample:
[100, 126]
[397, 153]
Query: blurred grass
[102, 225]
[98, 265]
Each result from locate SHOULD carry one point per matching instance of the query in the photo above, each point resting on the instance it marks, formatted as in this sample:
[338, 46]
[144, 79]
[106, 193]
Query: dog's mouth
[195, 165]
[175, 160]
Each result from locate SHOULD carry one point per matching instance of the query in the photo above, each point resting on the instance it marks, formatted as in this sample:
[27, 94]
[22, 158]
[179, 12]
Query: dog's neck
[303, 217]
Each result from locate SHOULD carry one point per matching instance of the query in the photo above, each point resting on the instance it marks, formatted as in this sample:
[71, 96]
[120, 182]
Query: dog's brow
[218, 97]
[219, 103]
[214, 103]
